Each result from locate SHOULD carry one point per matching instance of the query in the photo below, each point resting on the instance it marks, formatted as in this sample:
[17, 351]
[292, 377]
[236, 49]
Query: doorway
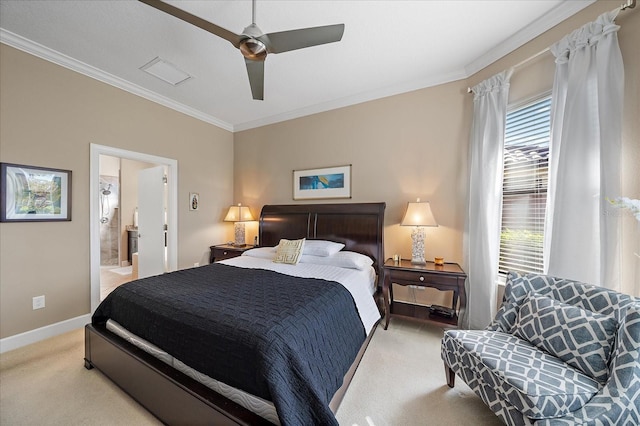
[120, 192]
[97, 210]
[112, 270]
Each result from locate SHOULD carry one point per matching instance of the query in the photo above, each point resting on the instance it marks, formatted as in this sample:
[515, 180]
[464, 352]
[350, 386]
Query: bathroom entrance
[114, 205]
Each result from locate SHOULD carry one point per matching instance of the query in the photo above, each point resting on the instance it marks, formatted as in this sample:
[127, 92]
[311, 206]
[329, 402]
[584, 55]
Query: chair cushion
[538, 384]
[581, 338]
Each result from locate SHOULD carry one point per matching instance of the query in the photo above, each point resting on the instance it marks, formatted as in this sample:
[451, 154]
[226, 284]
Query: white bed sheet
[360, 283]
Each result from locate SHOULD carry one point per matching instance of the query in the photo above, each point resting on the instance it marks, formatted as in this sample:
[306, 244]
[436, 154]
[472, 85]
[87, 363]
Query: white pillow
[342, 259]
[321, 248]
[289, 251]
[262, 252]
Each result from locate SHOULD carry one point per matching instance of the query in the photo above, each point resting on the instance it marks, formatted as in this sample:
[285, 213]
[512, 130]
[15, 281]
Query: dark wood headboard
[359, 226]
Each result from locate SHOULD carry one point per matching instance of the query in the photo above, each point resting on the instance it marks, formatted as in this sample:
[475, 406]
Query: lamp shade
[418, 214]
[239, 213]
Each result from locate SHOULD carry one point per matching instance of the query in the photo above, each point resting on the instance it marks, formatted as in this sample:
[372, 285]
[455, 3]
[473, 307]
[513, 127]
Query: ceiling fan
[254, 44]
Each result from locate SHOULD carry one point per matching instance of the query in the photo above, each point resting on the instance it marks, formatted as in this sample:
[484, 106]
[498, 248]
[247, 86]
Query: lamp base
[238, 229]
[417, 247]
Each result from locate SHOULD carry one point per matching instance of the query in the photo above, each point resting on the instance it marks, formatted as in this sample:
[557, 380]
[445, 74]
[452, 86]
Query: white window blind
[524, 189]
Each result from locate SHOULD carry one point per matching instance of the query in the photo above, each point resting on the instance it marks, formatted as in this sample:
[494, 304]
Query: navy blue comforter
[286, 339]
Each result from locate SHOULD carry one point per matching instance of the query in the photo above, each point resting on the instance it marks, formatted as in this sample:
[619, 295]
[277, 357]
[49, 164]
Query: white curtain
[485, 193]
[581, 230]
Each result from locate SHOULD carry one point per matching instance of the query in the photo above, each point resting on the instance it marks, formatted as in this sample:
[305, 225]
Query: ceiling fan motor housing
[250, 46]
[253, 49]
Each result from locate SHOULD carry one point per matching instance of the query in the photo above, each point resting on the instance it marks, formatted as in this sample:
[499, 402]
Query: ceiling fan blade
[285, 41]
[255, 69]
[195, 20]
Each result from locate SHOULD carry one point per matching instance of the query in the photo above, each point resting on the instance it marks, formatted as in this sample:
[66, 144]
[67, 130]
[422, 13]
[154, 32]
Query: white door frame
[94, 208]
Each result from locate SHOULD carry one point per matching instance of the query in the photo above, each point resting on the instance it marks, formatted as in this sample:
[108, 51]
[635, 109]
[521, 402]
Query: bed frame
[175, 398]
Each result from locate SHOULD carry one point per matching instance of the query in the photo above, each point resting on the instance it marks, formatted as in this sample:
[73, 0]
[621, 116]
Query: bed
[166, 379]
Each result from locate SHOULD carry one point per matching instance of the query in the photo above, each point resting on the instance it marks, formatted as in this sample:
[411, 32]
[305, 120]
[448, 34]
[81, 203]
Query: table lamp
[418, 215]
[239, 214]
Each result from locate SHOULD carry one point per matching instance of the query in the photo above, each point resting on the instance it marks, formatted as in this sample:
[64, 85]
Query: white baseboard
[33, 336]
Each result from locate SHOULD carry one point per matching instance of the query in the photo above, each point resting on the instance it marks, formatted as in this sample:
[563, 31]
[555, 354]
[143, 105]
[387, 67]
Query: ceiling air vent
[165, 71]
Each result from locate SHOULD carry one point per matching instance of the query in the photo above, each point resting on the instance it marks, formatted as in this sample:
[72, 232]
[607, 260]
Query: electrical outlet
[196, 264]
[38, 302]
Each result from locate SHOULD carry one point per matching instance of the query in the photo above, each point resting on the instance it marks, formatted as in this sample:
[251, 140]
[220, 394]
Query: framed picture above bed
[34, 194]
[327, 182]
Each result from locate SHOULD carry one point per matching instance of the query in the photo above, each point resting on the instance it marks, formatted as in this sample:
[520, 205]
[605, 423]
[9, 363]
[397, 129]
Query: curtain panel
[581, 228]
[485, 193]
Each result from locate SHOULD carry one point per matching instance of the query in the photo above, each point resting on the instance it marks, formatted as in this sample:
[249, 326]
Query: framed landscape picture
[328, 182]
[34, 194]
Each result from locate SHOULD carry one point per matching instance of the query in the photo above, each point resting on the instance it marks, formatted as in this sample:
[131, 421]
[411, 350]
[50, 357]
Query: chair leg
[451, 376]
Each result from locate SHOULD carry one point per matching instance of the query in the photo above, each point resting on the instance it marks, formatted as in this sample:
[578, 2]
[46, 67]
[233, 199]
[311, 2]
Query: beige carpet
[400, 381]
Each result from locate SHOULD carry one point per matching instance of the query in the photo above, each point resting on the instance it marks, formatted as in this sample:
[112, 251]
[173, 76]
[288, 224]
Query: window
[524, 187]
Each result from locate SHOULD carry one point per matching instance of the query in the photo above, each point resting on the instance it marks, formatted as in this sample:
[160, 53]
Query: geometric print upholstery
[539, 384]
[618, 403]
[581, 338]
[515, 378]
[585, 296]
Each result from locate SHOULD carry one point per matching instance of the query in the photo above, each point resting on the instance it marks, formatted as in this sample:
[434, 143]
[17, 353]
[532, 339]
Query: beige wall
[49, 115]
[401, 148]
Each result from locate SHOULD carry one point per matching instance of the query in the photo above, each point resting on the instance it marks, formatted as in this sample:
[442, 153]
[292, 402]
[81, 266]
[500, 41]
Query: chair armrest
[505, 318]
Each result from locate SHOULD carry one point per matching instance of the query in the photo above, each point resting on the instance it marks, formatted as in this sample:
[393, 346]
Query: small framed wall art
[34, 194]
[194, 201]
[328, 182]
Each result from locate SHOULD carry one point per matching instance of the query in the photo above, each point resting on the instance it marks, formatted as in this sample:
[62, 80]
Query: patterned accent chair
[559, 352]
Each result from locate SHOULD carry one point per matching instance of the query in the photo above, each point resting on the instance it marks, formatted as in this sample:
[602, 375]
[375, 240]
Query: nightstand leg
[385, 293]
[455, 300]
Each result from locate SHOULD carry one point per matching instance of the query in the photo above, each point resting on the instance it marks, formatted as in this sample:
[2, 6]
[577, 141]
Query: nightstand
[447, 277]
[226, 251]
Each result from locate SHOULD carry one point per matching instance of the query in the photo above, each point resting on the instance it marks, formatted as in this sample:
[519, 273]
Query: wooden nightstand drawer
[221, 254]
[420, 278]
[226, 251]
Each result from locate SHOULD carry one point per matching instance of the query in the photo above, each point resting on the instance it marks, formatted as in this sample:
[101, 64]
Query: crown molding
[359, 98]
[58, 58]
[547, 21]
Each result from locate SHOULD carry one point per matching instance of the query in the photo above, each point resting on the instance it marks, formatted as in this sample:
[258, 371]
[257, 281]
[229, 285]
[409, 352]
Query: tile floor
[110, 280]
